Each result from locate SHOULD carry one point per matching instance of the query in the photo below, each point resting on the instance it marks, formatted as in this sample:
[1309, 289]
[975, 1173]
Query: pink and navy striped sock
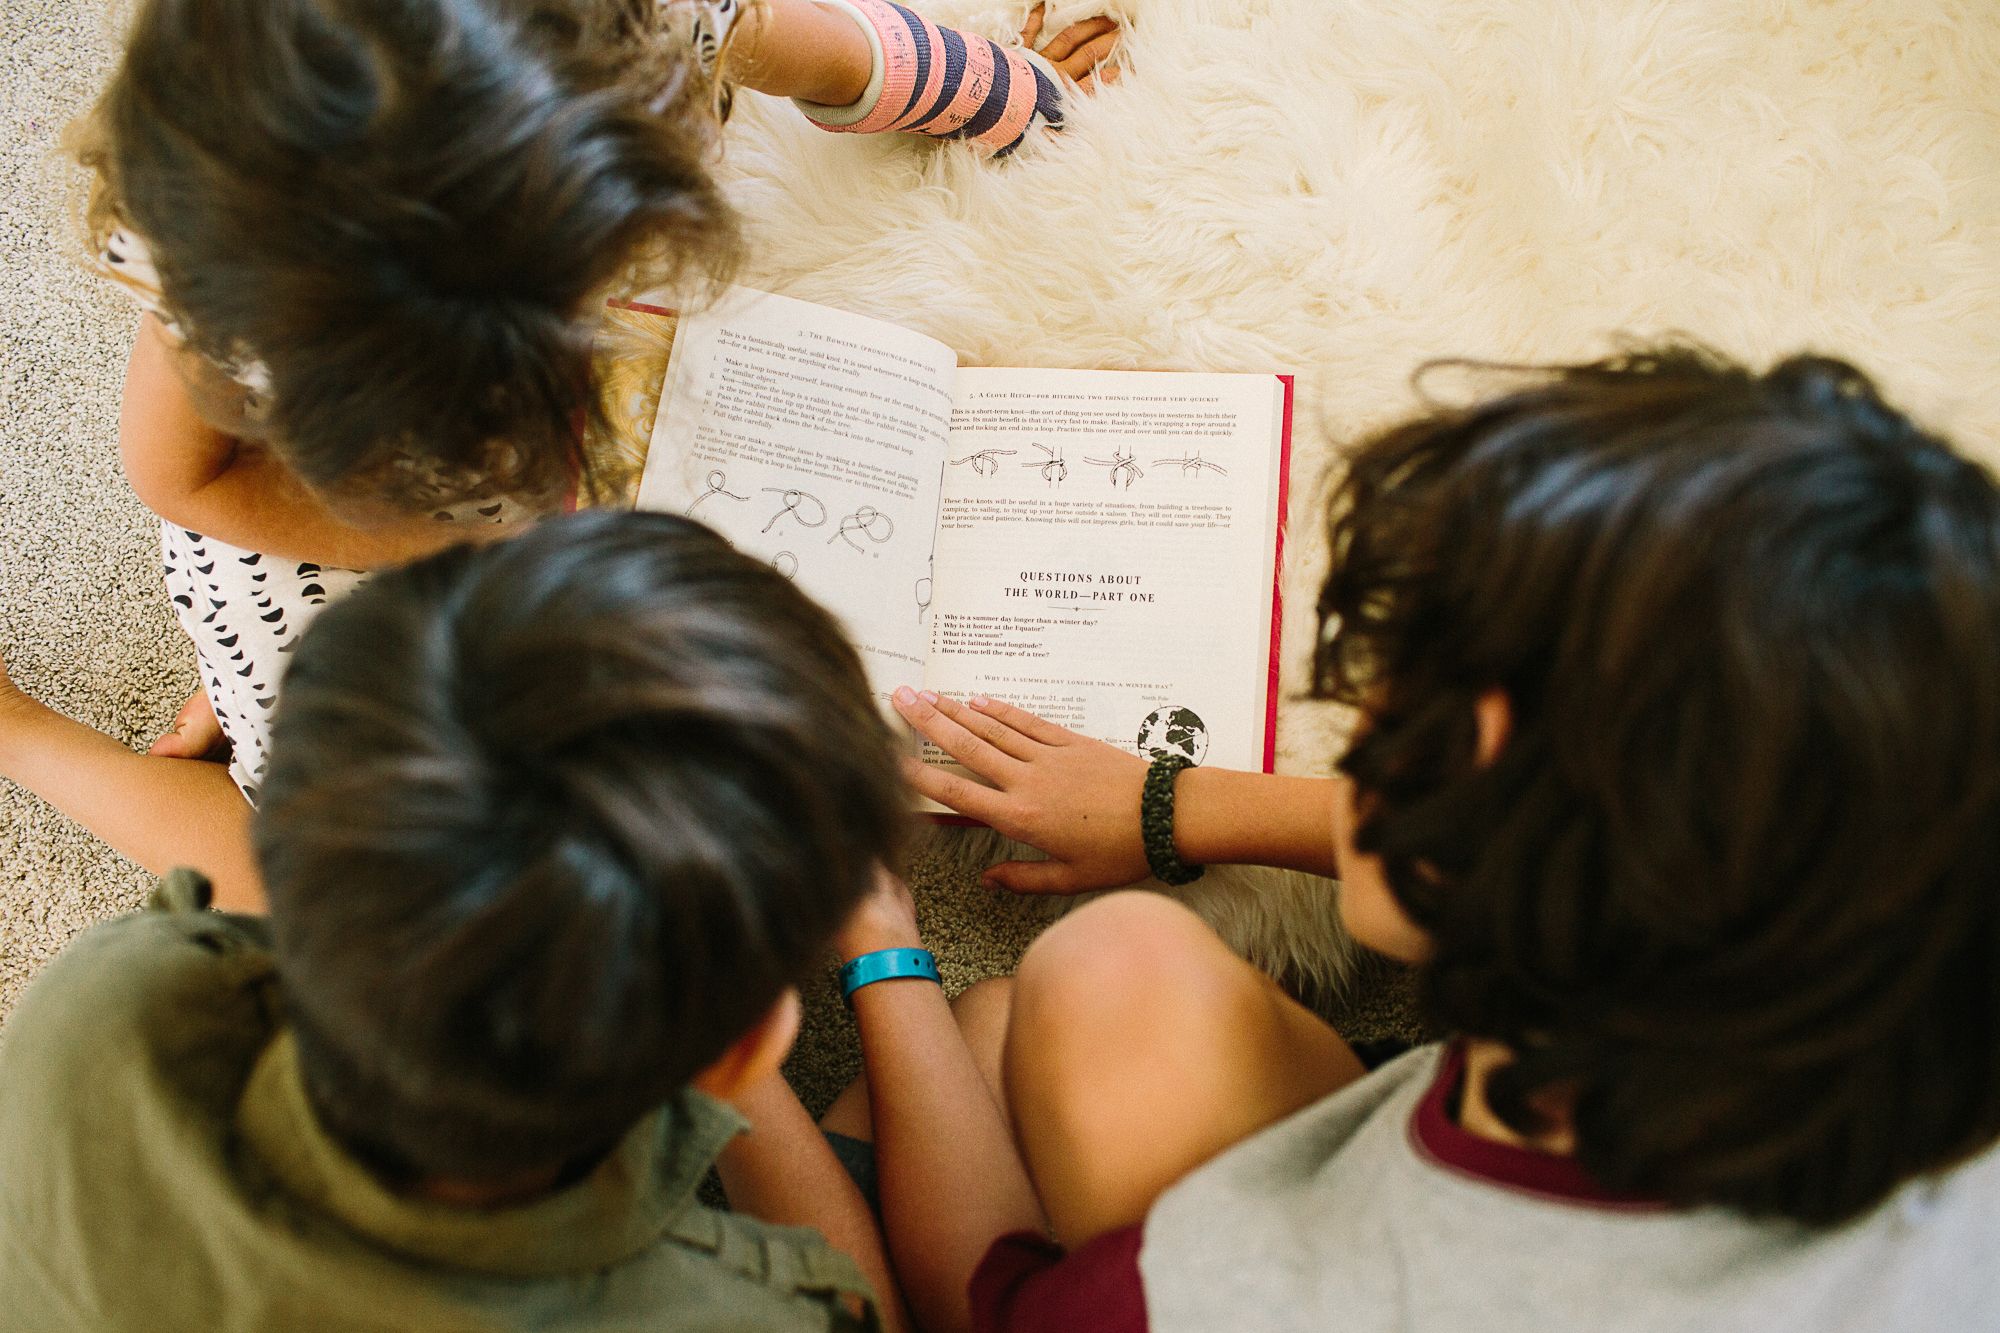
[947, 84]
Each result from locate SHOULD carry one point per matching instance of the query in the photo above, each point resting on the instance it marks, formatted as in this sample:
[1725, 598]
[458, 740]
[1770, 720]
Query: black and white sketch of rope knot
[1191, 465]
[718, 484]
[1124, 467]
[786, 563]
[1056, 469]
[870, 522]
[923, 597]
[986, 462]
[792, 500]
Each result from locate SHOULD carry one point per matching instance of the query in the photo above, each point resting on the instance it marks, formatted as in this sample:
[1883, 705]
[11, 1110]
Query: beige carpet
[83, 617]
[1339, 188]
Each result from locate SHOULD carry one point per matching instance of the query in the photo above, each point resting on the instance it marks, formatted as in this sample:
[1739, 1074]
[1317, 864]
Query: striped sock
[944, 83]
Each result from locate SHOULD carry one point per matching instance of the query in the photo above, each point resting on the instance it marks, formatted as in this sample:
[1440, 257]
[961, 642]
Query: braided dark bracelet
[1156, 821]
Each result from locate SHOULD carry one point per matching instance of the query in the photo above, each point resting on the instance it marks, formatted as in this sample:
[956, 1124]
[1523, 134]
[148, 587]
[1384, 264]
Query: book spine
[1278, 584]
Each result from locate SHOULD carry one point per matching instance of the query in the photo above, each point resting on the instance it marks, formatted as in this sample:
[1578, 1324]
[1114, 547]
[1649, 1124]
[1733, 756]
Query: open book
[1100, 547]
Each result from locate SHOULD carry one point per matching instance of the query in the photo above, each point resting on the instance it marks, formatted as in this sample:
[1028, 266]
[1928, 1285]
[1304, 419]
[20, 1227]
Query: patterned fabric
[704, 25]
[127, 260]
[943, 83]
[245, 612]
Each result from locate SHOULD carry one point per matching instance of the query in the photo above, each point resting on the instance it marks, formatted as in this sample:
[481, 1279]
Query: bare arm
[783, 1172]
[161, 813]
[1078, 800]
[190, 472]
[951, 1181]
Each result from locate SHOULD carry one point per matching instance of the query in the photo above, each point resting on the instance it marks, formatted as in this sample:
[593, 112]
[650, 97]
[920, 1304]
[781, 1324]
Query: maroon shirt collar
[1439, 1139]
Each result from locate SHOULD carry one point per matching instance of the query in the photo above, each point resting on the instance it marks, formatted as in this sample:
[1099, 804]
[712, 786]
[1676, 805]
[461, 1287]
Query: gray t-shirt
[1361, 1214]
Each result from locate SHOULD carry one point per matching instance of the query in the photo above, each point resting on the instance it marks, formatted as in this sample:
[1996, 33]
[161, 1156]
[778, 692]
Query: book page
[1106, 549]
[813, 439]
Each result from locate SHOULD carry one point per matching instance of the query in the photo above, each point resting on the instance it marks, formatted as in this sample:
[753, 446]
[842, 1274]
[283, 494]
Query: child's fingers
[989, 728]
[1031, 877]
[172, 745]
[1065, 46]
[975, 752]
[1032, 725]
[951, 789]
[1033, 27]
[195, 734]
[1087, 56]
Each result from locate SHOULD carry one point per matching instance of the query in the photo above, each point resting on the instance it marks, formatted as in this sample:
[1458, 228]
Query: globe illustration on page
[1173, 731]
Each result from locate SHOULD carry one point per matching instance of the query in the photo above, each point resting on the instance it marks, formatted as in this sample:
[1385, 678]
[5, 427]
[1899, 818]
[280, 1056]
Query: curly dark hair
[407, 210]
[1734, 877]
[548, 824]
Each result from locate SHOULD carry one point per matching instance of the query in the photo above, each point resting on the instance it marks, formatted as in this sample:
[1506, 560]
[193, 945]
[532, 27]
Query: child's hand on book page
[1073, 797]
[1079, 50]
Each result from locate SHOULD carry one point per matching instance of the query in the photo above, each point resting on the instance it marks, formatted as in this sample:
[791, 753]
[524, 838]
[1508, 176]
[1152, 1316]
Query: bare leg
[951, 1180]
[981, 1014]
[160, 812]
[783, 1172]
[794, 48]
[1139, 1047]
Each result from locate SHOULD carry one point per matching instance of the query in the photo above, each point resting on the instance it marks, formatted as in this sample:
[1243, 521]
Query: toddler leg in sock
[944, 83]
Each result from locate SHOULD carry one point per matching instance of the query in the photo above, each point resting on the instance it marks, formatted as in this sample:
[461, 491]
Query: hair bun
[1828, 386]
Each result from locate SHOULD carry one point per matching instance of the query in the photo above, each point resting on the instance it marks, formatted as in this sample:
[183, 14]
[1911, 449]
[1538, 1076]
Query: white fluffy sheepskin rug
[1344, 189]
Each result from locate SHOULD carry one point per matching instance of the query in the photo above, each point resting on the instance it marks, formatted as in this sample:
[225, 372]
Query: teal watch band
[885, 964]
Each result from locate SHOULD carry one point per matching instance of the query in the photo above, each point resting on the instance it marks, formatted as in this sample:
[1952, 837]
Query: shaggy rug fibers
[1338, 189]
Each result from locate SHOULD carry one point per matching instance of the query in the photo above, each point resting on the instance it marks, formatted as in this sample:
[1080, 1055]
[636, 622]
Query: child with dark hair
[552, 830]
[1677, 773]
[372, 238]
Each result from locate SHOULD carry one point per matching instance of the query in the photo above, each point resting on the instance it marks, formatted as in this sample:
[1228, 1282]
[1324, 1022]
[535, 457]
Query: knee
[983, 1011]
[1116, 949]
[982, 999]
[1118, 969]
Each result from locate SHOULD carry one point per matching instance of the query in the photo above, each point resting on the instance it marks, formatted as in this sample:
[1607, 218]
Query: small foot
[195, 735]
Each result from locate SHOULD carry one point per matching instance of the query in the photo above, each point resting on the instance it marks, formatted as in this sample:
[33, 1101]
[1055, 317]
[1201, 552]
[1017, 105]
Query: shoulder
[120, 1070]
[764, 1276]
[163, 957]
[127, 260]
[162, 996]
[1232, 1230]
[1366, 1118]
[1927, 1247]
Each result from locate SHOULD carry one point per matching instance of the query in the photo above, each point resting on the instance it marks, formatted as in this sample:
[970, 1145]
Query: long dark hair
[1734, 878]
[406, 210]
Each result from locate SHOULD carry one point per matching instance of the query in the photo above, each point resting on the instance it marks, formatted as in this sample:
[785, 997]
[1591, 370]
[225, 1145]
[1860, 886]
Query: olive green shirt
[160, 1169]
